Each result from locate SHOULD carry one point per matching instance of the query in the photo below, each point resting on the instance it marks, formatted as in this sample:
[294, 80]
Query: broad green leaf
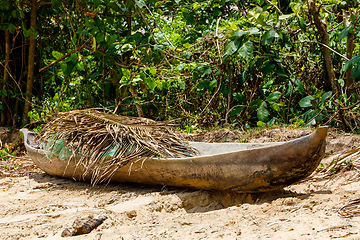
[73, 58]
[296, 7]
[182, 84]
[299, 86]
[253, 31]
[268, 68]
[158, 46]
[306, 101]
[187, 45]
[344, 33]
[240, 97]
[14, 13]
[269, 83]
[257, 14]
[100, 37]
[268, 37]
[355, 73]
[289, 89]
[285, 16]
[166, 84]
[255, 104]
[261, 124]
[11, 28]
[196, 5]
[3, 93]
[63, 67]
[140, 3]
[151, 82]
[350, 63]
[186, 54]
[112, 39]
[311, 123]
[80, 66]
[237, 110]
[302, 23]
[94, 44]
[181, 66]
[57, 54]
[246, 50]
[271, 122]
[79, 30]
[206, 70]
[239, 33]
[273, 96]
[325, 96]
[127, 47]
[232, 47]
[341, 82]
[262, 112]
[275, 106]
[152, 71]
[69, 68]
[212, 84]
[159, 84]
[250, 31]
[26, 33]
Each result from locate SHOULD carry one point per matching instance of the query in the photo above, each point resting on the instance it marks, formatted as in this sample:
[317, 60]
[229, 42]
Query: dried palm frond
[350, 209]
[106, 142]
[344, 162]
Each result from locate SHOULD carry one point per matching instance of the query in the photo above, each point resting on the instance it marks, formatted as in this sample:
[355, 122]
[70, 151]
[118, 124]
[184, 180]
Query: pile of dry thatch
[103, 142]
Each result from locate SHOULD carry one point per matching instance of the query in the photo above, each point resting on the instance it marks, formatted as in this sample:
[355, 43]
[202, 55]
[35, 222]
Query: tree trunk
[132, 88]
[31, 65]
[136, 98]
[349, 49]
[322, 29]
[4, 119]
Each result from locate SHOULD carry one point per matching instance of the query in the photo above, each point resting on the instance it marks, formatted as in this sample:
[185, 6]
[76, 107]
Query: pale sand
[41, 206]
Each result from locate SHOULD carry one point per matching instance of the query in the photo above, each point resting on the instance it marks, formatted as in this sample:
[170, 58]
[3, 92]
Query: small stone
[131, 214]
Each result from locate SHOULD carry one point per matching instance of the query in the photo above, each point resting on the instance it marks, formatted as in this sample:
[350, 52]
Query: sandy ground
[35, 205]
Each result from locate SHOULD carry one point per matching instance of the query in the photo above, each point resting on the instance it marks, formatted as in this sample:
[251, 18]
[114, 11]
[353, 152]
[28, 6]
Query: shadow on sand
[192, 200]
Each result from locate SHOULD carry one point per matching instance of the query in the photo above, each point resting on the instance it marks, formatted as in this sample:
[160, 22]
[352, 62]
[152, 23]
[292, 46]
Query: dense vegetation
[208, 63]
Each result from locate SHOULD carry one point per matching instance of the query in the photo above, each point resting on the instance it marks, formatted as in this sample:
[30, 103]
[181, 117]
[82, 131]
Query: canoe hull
[260, 169]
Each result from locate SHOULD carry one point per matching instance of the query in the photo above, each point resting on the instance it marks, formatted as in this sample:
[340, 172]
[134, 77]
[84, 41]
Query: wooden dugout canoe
[241, 167]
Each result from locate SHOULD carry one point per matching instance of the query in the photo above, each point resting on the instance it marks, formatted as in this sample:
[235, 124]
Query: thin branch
[65, 56]
[216, 34]
[159, 26]
[324, 45]
[320, 110]
[207, 105]
[277, 9]
[152, 35]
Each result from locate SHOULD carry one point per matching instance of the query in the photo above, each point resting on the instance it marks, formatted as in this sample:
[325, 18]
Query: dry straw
[101, 143]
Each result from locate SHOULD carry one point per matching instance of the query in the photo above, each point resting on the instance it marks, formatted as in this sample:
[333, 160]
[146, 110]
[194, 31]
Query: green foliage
[5, 154]
[318, 106]
[206, 62]
[353, 64]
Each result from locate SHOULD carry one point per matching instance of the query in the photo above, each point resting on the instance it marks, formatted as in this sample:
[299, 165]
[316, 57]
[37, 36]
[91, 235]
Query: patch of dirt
[221, 135]
[14, 161]
[336, 141]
